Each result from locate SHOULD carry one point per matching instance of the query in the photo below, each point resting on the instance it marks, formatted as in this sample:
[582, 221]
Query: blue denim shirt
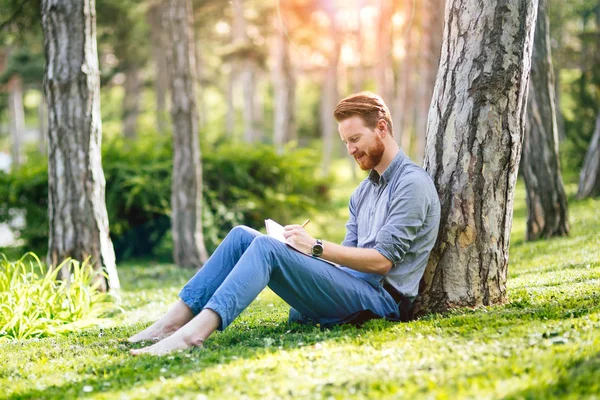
[397, 214]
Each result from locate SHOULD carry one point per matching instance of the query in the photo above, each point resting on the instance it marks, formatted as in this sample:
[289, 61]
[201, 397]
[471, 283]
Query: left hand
[296, 236]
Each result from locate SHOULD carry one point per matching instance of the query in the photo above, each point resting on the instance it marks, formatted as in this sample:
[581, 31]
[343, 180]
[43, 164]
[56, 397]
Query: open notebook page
[276, 231]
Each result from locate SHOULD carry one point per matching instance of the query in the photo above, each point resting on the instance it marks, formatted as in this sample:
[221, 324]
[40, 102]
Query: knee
[243, 233]
[265, 244]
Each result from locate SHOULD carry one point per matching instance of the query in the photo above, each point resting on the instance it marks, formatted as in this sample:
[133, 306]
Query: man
[393, 224]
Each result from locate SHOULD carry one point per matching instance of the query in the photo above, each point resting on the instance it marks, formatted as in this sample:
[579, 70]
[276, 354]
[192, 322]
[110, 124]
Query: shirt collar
[377, 180]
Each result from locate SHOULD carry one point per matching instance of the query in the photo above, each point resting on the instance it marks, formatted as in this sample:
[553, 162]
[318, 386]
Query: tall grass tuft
[33, 303]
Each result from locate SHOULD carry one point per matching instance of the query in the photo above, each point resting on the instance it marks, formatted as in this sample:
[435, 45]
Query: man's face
[362, 143]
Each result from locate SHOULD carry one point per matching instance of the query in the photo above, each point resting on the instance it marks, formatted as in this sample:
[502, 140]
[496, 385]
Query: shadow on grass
[581, 376]
[241, 342]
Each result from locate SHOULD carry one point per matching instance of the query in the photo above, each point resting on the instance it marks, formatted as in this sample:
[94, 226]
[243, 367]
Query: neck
[391, 150]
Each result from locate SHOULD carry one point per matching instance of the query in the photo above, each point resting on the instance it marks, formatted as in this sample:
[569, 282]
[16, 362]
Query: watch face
[317, 249]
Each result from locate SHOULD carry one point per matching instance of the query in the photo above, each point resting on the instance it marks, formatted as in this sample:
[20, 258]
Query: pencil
[305, 222]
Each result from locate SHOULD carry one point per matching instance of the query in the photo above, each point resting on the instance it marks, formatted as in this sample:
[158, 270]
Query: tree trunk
[330, 95]
[202, 114]
[328, 101]
[131, 101]
[408, 92]
[247, 74]
[546, 198]
[431, 34]
[230, 115]
[186, 198]
[589, 179]
[16, 114]
[161, 82]
[384, 75]
[358, 81]
[476, 125]
[284, 84]
[43, 126]
[77, 208]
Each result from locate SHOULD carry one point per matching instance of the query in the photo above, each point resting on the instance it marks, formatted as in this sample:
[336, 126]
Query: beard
[369, 159]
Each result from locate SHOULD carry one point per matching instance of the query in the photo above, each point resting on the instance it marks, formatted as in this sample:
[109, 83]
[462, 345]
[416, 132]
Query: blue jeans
[247, 261]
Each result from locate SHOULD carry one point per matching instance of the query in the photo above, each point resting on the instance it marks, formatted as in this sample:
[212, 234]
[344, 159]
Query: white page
[275, 231]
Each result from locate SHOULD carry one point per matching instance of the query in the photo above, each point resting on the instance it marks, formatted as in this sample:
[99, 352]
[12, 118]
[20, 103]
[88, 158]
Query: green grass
[544, 343]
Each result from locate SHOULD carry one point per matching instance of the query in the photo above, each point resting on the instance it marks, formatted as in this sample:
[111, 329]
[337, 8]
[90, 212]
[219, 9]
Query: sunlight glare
[222, 28]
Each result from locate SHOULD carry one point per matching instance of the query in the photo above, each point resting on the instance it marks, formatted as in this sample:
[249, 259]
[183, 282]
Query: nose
[351, 148]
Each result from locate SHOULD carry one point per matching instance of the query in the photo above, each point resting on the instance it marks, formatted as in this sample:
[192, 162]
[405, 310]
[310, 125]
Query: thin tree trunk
[330, 95]
[358, 81]
[161, 82]
[402, 73]
[131, 101]
[186, 199]
[328, 102]
[589, 179]
[43, 126]
[247, 74]
[258, 103]
[546, 198]
[431, 35]
[230, 115]
[407, 93]
[284, 84]
[560, 120]
[16, 114]
[202, 114]
[76, 184]
[473, 149]
[384, 75]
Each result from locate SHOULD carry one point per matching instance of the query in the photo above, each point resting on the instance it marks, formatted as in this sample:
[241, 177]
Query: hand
[297, 237]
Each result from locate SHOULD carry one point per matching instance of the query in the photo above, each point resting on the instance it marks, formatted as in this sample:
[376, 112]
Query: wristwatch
[317, 249]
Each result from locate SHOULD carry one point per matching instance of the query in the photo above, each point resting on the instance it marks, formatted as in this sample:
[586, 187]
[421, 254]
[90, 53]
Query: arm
[364, 260]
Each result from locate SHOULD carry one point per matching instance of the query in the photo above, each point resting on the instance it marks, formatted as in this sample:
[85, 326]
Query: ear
[382, 127]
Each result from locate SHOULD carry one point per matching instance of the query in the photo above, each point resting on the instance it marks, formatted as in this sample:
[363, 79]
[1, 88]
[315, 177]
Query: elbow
[384, 267]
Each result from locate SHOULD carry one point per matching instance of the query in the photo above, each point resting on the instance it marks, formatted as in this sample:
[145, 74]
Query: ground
[543, 344]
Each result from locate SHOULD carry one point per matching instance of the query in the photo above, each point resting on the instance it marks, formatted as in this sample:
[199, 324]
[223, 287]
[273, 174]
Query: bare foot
[154, 333]
[178, 315]
[173, 343]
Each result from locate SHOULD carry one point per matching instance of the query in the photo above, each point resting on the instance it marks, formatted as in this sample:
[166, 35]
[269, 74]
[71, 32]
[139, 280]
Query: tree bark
[285, 91]
[16, 114]
[43, 126]
[76, 184]
[186, 199]
[161, 82]
[546, 199]
[131, 101]
[473, 149]
[589, 179]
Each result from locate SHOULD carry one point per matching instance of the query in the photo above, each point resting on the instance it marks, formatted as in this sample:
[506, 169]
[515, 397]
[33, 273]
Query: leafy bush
[241, 185]
[35, 304]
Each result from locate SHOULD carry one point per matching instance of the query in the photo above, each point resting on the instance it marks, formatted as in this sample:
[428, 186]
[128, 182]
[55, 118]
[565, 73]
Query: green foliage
[34, 304]
[242, 185]
[21, 61]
